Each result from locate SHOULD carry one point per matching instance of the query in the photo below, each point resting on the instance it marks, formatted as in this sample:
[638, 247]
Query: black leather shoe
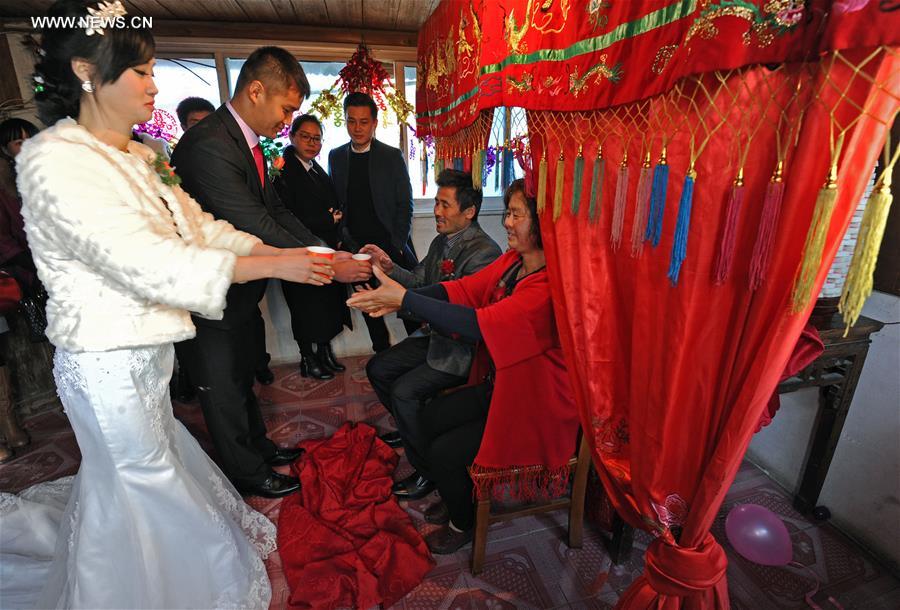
[265, 376]
[392, 439]
[326, 357]
[446, 541]
[437, 514]
[284, 456]
[413, 487]
[276, 485]
[310, 367]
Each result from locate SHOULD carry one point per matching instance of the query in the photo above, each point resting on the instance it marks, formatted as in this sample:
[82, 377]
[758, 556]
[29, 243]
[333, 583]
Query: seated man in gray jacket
[426, 362]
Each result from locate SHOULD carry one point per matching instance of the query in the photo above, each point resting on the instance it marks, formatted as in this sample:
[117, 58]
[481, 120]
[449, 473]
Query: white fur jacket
[123, 256]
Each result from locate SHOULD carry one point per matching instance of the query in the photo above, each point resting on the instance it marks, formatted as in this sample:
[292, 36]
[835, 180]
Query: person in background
[15, 259]
[13, 132]
[192, 110]
[375, 194]
[427, 362]
[317, 314]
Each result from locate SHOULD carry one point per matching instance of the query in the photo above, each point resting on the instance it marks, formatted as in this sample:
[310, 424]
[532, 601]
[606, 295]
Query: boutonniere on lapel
[166, 173]
[447, 267]
[276, 164]
[271, 150]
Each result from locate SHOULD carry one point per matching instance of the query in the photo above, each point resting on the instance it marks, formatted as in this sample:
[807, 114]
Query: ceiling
[389, 15]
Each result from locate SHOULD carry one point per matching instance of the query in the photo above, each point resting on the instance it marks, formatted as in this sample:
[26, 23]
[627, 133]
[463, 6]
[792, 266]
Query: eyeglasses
[308, 138]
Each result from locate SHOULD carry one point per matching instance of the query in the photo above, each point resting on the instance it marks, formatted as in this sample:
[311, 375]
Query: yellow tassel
[815, 244]
[477, 168]
[858, 285]
[558, 191]
[542, 186]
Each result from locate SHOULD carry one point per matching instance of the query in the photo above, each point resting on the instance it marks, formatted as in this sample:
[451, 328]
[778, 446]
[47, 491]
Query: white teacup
[362, 257]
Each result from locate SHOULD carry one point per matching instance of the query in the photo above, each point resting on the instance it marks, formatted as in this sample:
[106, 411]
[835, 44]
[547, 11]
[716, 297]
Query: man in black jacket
[427, 362]
[374, 191]
[222, 166]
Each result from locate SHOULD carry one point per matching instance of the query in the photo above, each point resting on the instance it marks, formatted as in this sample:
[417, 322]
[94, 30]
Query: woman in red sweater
[518, 409]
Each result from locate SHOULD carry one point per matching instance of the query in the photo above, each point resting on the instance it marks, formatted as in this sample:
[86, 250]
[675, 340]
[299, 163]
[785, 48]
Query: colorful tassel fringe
[641, 207]
[542, 185]
[658, 200]
[729, 233]
[815, 244]
[558, 188]
[577, 177]
[858, 285]
[597, 177]
[768, 222]
[682, 227]
[458, 164]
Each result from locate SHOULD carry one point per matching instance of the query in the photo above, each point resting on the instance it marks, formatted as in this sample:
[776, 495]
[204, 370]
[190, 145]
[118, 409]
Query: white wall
[863, 485]
[279, 340]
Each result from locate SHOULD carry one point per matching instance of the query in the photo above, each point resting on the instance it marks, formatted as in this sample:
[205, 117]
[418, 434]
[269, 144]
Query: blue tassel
[498, 168]
[458, 163]
[508, 167]
[657, 201]
[679, 245]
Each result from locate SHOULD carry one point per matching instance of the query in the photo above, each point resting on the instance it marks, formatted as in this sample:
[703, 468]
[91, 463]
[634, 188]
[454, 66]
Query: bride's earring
[87, 86]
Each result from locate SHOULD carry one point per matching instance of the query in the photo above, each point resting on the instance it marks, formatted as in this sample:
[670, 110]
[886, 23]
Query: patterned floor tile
[528, 564]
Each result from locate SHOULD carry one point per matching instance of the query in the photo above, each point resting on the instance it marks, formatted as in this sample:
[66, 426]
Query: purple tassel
[641, 208]
[765, 237]
[729, 234]
[621, 185]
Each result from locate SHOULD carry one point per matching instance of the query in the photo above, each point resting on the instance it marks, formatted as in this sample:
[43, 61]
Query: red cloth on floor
[809, 347]
[343, 540]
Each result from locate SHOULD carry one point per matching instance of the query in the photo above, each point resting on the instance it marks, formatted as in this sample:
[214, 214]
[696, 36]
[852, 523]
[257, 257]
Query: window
[179, 78]
[322, 75]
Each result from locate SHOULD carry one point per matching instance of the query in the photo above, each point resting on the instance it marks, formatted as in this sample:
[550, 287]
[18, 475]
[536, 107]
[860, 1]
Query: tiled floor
[528, 564]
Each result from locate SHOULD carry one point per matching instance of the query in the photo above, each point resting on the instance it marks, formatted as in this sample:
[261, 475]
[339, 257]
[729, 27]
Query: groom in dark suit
[222, 166]
[373, 187]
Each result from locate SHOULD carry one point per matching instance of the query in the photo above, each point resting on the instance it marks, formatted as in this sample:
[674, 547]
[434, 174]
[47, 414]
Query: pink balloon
[758, 535]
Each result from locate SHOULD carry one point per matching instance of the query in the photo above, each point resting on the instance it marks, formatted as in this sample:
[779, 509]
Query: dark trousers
[262, 355]
[403, 382]
[378, 331]
[222, 363]
[455, 424]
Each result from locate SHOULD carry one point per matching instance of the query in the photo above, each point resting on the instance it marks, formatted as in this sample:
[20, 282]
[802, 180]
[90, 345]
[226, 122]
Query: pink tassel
[765, 237]
[641, 207]
[729, 235]
[621, 194]
[618, 219]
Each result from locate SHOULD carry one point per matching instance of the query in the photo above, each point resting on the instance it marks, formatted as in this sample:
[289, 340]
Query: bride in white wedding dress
[149, 521]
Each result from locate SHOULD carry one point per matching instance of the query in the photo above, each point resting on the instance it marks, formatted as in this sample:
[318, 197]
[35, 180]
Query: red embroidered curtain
[698, 162]
[671, 379]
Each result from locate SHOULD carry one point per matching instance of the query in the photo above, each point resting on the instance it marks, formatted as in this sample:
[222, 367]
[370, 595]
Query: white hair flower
[105, 13]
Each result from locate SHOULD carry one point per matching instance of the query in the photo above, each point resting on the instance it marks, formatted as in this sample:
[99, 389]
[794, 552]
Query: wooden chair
[484, 517]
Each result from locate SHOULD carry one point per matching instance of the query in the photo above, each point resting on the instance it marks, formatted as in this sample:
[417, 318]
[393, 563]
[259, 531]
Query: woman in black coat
[318, 313]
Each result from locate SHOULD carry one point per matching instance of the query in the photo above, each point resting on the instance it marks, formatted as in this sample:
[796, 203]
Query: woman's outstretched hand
[378, 302]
